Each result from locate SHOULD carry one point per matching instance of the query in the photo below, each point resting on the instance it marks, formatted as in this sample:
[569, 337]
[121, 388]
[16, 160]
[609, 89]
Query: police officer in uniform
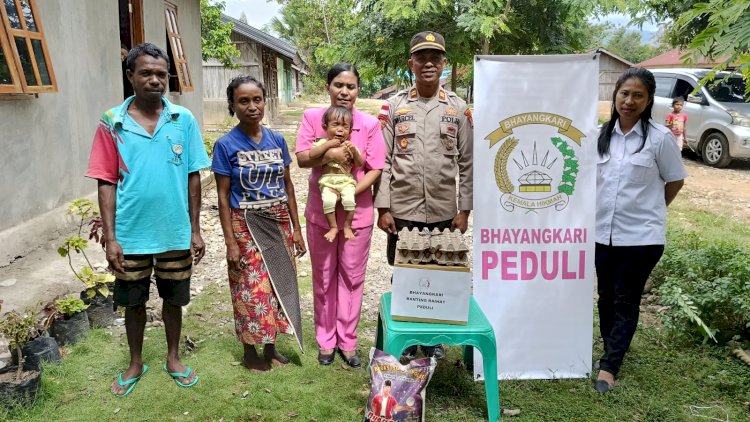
[428, 136]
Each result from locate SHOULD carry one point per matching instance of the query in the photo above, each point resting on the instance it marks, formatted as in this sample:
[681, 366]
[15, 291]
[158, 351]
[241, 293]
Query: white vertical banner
[534, 209]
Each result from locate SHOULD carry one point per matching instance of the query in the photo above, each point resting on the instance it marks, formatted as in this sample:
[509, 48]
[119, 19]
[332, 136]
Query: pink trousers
[338, 271]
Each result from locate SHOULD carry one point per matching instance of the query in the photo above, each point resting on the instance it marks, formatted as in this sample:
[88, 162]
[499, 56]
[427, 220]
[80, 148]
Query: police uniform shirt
[428, 142]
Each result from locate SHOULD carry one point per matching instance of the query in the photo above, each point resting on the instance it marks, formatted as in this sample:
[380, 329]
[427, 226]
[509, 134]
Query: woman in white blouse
[640, 172]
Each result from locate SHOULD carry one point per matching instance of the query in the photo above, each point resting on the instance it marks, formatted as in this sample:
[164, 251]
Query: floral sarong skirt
[258, 315]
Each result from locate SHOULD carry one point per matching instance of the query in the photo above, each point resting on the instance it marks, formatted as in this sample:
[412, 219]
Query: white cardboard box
[431, 293]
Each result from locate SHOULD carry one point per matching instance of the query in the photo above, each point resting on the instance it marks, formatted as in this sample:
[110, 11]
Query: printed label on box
[430, 293]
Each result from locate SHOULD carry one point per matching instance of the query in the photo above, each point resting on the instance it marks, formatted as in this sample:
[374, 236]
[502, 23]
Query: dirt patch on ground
[722, 191]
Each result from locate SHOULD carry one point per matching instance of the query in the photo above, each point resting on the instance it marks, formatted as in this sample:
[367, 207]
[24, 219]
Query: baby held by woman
[337, 181]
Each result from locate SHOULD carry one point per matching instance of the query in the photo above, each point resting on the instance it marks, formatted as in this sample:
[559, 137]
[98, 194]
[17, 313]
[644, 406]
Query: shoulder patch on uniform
[383, 115]
[469, 117]
[441, 95]
[413, 93]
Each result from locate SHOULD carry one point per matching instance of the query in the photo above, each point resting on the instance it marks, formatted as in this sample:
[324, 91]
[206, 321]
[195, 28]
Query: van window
[664, 86]
[682, 88]
[729, 90]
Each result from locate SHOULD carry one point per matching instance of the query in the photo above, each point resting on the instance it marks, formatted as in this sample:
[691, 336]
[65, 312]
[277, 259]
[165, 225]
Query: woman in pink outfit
[339, 267]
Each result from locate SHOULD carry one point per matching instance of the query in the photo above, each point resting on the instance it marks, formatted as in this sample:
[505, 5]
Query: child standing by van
[677, 122]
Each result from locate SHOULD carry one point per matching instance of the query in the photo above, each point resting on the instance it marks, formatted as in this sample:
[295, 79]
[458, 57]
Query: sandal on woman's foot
[602, 386]
[176, 375]
[352, 360]
[325, 359]
[131, 383]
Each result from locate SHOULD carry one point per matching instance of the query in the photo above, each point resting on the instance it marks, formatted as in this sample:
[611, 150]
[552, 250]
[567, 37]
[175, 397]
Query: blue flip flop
[186, 374]
[131, 382]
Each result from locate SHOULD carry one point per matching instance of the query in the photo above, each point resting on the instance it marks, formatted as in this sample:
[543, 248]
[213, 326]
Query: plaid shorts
[172, 270]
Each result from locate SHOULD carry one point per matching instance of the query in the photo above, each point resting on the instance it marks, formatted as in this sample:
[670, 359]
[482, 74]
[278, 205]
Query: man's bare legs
[135, 324]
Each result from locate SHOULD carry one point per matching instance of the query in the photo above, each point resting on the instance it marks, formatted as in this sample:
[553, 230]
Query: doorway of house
[131, 34]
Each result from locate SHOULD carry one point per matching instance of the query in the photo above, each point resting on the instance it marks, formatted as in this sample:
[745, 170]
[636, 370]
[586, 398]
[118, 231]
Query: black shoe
[602, 386]
[352, 361]
[438, 352]
[410, 352]
[325, 359]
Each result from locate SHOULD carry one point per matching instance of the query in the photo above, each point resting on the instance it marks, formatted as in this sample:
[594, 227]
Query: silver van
[718, 126]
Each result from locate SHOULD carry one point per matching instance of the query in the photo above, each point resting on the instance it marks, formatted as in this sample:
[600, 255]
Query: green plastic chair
[395, 336]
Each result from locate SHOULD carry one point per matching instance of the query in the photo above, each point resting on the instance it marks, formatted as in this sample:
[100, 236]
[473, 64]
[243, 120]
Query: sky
[258, 12]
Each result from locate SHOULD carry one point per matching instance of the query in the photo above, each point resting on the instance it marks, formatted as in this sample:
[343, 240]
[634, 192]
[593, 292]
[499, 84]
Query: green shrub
[209, 140]
[70, 306]
[707, 287]
[18, 330]
[94, 282]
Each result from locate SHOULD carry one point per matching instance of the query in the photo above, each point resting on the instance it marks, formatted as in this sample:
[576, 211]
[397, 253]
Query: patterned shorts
[172, 270]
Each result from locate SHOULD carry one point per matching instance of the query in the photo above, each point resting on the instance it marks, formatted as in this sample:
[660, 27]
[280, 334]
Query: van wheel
[716, 150]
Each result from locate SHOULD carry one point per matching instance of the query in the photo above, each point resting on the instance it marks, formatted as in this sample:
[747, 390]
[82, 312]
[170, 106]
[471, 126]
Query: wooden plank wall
[216, 77]
[609, 70]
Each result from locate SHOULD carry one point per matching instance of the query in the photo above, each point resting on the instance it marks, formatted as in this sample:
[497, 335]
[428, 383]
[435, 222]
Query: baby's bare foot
[331, 235]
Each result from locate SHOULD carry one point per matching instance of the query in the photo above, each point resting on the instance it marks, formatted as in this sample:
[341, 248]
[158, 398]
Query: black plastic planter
[71, 330]
[100, 311]
[41, 349]
[14, 392]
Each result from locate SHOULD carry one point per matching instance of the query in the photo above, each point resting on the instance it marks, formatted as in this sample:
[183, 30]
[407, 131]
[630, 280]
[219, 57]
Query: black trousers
[621, 273]
[400, 224]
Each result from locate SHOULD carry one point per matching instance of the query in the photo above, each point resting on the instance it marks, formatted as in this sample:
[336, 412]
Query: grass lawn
[710, 225]
[660, 381]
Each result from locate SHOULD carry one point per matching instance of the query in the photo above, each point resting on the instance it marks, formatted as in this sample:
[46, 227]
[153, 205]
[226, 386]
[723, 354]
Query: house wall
[217, 77]
[299, 88]
[189, 23]
[270, 77]
[46, 140]
[609, 70]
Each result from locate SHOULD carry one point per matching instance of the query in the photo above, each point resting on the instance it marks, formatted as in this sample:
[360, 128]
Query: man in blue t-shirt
[146, 157]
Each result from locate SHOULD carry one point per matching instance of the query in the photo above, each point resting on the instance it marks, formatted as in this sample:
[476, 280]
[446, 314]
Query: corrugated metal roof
[280, 46]
[672, 58]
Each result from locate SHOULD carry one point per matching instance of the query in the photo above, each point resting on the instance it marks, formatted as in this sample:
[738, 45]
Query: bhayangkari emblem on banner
[536, 166]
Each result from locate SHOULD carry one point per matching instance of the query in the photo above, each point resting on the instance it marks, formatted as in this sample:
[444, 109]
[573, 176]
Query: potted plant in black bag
[16, 384]
[70, 321]
[96, 293]
[39, 347]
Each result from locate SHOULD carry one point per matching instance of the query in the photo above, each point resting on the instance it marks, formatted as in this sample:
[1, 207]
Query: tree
[627, 44]
[666, 12]
[727, 34]
[469, 26]
[483, 19]
[317, 29]
[215, 40]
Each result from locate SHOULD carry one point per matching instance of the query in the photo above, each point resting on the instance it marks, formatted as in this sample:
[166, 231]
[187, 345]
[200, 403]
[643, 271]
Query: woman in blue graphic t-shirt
[258, 213]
